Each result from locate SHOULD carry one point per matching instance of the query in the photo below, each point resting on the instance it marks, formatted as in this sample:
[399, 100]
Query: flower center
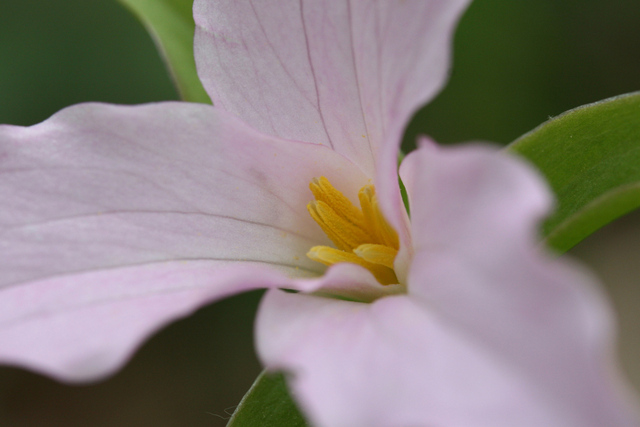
[362, 236]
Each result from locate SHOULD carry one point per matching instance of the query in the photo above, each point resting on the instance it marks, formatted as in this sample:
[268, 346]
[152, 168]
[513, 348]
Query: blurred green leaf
[591, 157]
[267, 404]
[171, 25]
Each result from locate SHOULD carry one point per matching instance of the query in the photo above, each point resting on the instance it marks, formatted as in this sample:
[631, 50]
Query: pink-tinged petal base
[491, 333]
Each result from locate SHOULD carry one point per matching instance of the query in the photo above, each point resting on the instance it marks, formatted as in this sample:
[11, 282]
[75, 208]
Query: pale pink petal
[478, 265]
[400, 362]
[474, 201]
[346, 74]
[100, 187]
[348, 281]
[85, 326]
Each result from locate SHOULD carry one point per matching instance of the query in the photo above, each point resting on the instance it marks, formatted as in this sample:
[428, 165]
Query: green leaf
[267, 404]
[591, 158]
[171, 25]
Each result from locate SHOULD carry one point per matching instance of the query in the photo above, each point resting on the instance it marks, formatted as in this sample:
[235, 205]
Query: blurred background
[515, 65]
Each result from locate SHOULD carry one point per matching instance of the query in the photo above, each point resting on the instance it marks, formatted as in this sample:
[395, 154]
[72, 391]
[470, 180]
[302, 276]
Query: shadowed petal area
[107, 209]
[346, 74]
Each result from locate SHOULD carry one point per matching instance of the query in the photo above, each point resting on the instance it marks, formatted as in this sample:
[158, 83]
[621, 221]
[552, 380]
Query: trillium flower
[117, 220]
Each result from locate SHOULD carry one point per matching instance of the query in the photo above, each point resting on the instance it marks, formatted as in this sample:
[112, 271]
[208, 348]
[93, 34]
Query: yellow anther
[342, 232]
[383, 233]
[377, 254]
[323, 191]
[330, 256]
[362, 236]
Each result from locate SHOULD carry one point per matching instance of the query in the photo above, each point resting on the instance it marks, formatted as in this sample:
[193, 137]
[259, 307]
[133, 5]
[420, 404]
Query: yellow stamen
[342, 232]
[325, 192]
[377, 254]
[330, 256]
[362, 236]
[384, 234]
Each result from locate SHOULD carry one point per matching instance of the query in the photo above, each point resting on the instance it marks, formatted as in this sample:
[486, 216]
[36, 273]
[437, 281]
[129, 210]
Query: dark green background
[516, 64]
